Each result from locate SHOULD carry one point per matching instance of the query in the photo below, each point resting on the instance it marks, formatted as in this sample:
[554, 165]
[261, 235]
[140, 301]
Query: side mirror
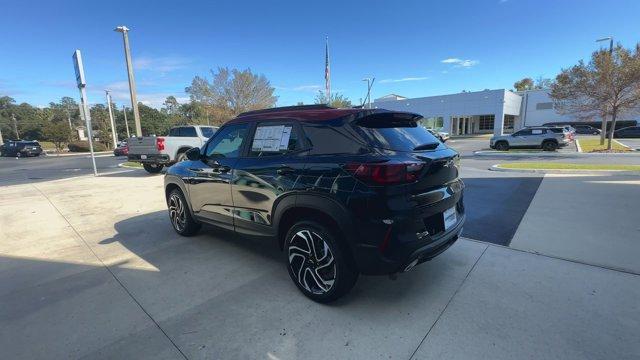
[193, 154]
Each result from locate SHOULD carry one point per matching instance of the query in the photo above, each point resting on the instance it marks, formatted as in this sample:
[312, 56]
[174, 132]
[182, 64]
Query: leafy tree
[335, 100]
[524, 84]
[152, 121]
[529, 84]
[229, 93]
[171, 106]
[58, 133]
[608, 85]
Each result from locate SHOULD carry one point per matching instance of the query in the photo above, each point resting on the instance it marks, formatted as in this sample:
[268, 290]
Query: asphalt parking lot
[90, 268]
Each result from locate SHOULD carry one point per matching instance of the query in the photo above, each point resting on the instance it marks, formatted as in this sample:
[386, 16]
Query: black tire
[181, 156]
[318, 263]
[502, 146]
[152, 168]
[181, 220]
[549, 146]
[18, 154]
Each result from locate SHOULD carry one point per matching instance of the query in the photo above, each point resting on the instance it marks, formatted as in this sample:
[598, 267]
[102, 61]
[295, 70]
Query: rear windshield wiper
[429, 146]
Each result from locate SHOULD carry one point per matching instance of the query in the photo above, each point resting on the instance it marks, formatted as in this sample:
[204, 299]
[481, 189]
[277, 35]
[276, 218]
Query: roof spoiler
[287, 108]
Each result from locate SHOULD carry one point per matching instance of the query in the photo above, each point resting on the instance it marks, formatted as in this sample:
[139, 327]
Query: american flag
[327, 71]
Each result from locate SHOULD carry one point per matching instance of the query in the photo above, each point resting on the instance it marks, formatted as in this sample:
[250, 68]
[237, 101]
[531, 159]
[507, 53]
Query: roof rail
[287, 108]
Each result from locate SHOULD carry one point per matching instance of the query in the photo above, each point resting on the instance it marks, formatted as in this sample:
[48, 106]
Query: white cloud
[460, 62]
[160, 64]
[403, 79]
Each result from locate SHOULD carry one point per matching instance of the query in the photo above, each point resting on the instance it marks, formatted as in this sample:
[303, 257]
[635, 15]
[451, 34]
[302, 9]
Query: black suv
[20, 148]
[344, 191]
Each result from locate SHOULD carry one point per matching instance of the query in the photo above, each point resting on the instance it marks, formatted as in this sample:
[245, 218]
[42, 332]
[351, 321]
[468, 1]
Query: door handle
[284, 170]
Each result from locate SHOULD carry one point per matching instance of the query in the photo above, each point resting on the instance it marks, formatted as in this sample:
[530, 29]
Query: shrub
[83, 146]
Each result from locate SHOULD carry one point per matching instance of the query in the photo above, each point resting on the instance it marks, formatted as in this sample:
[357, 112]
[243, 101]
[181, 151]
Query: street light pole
[603, 130]
[132, 83]
[126, 123]
[114, 134]
[367, 99]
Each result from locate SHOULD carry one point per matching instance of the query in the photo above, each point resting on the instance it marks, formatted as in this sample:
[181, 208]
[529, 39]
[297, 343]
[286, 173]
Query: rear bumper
[150, 158]
[414, 237]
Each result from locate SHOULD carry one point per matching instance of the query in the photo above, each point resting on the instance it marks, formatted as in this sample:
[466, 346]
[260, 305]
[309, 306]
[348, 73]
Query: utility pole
[15, 126]
[1, 140]
[113, 123]
[132, 82]
[126, 123]
[603, 130]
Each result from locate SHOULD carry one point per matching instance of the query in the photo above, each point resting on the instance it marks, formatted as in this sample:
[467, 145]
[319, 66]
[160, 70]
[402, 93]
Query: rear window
[398, 132]
[207, 131]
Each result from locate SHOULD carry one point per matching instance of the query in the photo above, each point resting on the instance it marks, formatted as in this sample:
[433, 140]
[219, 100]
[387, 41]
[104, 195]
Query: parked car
[21, 148]
[443, 136]
[121, 150]
[156, 152]
[344, 191]
[587, 130]
[546, 138]
[628, 132]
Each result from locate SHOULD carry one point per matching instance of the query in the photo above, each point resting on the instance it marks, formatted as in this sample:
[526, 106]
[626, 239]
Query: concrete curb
[549, 154]
[54, 154]
[122, 165]
[567, 171]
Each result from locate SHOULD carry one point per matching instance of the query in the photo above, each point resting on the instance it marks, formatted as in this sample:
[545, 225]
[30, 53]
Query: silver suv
[545, 138]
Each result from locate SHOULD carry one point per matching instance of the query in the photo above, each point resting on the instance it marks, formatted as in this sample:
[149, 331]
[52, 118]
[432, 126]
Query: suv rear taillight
[385, 174]
[160, 143]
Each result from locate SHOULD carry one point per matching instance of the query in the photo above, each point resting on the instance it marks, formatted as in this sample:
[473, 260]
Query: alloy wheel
[312, 262]
[177, 213]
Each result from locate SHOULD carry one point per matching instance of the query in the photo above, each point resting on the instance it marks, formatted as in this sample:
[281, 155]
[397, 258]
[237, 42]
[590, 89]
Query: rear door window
[188, 131]
[174, 132]
[396, 131]
[274, 139]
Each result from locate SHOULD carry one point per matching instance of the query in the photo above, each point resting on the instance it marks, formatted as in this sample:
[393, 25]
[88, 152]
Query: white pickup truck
[156, 152]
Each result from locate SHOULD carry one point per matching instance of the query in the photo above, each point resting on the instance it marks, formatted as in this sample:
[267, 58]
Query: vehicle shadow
[217, 252]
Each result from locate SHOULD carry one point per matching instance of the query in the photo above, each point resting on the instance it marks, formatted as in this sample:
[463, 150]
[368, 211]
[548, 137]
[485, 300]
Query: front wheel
[152, 168]
[502, 146]
[549, 146]
[181, 220]
[319, 266]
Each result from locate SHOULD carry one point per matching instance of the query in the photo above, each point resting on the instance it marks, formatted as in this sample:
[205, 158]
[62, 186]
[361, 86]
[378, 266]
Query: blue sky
[413, 48]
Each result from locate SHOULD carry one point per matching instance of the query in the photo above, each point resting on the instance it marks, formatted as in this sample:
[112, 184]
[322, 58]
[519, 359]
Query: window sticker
[271, 138]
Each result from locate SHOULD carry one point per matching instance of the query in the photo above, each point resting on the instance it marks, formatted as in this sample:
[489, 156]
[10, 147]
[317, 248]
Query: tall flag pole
[327, 72]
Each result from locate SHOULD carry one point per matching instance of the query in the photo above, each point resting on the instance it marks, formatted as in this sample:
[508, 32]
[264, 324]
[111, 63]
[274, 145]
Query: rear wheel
[152, 168]
[317, 263]
[549, 146]
[502, 146]
[181, 156]
[181, 219]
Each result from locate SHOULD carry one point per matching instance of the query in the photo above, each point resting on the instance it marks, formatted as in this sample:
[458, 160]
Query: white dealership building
[488, 111]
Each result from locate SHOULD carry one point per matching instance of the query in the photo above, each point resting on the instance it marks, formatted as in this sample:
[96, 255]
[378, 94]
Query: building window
[436, 122]
[485, 122]
[544, 106]
[508, 122]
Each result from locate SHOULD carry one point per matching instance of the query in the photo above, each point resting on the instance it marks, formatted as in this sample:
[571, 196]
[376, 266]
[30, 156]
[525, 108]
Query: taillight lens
[160, 143]
[385, 174]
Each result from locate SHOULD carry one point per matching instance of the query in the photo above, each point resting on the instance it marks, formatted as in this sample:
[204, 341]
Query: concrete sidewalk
[90, 268]
[591, 219]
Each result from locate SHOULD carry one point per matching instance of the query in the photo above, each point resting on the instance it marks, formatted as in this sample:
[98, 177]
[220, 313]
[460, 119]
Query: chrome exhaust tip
[411, 265]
